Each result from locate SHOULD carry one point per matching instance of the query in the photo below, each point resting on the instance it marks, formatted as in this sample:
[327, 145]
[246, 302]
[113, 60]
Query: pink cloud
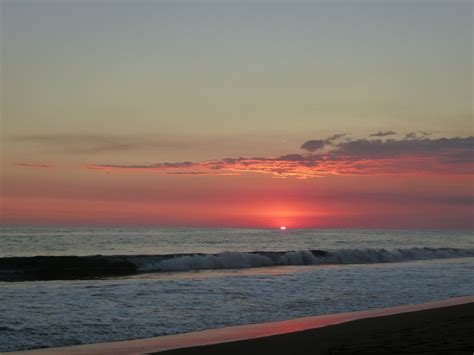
[350, 157]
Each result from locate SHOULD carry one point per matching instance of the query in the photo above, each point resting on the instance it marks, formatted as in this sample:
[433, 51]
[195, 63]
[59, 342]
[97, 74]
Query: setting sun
[283, 228]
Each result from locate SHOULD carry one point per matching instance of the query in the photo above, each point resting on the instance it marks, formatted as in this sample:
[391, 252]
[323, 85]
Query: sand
[444, 327]
[448, 330]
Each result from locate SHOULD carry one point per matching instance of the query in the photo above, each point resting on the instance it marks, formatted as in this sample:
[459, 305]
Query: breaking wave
[74, 267]
[237, 260]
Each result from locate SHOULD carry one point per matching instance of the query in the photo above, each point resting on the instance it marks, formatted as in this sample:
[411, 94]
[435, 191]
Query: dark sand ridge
[444, 327]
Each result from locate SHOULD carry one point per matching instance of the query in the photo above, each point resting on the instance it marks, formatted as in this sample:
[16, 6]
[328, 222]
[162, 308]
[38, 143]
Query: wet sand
[443, 327]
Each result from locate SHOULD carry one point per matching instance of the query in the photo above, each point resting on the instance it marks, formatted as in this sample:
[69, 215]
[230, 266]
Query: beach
[443, 327]
[448, 330]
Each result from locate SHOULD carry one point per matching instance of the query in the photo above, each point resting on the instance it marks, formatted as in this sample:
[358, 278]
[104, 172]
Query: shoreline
[299, 333]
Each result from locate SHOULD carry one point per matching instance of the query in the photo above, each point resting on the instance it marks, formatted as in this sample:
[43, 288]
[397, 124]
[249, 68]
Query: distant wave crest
[76, 267]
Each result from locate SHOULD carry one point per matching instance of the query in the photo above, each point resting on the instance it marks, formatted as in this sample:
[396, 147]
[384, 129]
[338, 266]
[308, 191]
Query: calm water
[17, 241]
[366, 269]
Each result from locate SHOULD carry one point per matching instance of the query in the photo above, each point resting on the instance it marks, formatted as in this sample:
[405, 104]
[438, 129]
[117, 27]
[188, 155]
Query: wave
[237, 260]
[77, 267]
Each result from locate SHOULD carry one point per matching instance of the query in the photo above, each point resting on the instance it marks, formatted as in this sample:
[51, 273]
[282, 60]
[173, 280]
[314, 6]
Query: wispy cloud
[363, 156]
[96, 143]
[383, 134]
[417, 135]
[31, 165]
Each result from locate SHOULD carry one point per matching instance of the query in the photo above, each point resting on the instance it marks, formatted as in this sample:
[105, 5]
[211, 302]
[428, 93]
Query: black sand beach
[448, 330]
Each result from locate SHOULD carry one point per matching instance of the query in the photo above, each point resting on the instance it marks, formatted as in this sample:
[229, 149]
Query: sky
[341, 114]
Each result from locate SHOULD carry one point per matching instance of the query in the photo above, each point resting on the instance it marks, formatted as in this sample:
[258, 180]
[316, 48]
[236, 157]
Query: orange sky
[241, 114]
[85, 197]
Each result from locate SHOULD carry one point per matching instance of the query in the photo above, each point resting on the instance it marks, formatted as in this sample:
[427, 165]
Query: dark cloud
[456, 148]
[314, 145]
[383, 134]
[317, 144]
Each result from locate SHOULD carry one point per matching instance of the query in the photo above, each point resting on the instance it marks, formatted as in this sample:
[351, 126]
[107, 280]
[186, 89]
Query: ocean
[107, 284]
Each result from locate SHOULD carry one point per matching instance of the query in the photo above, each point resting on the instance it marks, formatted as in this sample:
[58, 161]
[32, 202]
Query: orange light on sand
[282, 228]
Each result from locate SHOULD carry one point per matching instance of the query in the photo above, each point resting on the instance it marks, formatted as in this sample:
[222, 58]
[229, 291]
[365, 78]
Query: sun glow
[282, 228]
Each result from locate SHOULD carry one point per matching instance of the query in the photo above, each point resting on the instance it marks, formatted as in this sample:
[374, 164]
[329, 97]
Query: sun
[282, 228]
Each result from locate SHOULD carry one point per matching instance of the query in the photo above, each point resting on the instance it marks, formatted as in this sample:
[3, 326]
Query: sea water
[195, 279]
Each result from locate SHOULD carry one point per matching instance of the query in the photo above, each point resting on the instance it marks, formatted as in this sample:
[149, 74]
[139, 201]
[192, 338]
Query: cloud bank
[416, 153]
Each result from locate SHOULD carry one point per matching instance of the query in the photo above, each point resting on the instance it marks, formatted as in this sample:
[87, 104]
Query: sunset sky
[238, 114]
